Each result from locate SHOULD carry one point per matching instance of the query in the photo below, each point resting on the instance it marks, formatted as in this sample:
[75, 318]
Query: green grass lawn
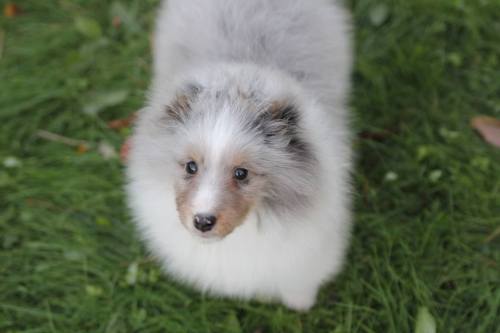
[427, 199]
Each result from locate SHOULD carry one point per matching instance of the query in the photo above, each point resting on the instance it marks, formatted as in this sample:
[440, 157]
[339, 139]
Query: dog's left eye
[191, 167]
[240, 173]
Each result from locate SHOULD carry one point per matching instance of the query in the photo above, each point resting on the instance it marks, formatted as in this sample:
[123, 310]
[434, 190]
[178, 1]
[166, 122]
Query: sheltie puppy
[238, 173]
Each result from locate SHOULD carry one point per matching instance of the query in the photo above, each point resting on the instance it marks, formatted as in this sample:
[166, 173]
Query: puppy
[238, 173]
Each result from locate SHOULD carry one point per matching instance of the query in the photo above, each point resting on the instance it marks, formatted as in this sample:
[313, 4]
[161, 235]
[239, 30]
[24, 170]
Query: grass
[427, 187]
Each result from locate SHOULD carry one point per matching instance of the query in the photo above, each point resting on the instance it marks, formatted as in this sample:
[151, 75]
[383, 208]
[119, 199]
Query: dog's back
[306, 39]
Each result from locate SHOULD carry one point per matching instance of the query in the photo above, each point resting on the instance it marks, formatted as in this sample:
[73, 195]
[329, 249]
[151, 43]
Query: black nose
[204, 222]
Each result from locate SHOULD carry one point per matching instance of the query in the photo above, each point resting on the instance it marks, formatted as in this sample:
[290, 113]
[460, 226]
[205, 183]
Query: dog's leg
[299, 299]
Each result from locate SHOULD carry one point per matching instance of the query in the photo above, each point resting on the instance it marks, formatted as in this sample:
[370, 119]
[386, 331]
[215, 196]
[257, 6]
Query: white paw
[299, 301]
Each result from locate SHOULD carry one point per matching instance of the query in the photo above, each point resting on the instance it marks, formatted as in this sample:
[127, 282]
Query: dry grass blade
[61, 139]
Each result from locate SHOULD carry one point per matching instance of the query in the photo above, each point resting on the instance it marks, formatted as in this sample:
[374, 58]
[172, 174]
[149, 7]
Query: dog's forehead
[219, 136]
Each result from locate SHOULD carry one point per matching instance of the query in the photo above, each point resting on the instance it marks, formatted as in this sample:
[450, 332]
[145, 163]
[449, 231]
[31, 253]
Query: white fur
[280, 48]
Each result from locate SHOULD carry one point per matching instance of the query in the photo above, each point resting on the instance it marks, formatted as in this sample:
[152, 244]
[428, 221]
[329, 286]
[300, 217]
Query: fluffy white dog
[239, 164]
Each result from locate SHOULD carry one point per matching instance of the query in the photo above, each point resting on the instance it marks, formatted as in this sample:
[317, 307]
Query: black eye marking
[240, 174]
[191, 167]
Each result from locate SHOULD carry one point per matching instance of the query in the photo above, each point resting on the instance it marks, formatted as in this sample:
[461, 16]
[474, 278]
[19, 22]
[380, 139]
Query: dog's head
[235, 153]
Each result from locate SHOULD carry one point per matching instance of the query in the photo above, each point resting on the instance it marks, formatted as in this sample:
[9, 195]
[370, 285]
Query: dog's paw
[299, 301]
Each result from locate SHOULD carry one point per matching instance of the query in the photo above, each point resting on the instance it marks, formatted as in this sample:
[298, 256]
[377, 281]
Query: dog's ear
[279, 118]
[179, 108]
[281, 125]
[280, 122]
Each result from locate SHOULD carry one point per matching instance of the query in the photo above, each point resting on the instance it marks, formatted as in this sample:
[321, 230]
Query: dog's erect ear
[179, 108]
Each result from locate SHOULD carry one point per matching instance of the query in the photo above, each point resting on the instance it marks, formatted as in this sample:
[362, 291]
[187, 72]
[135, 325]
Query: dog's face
[232, 155]
[217, 189]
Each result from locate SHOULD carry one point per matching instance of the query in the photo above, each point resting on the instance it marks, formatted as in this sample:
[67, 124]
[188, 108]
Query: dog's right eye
[240, 174]
[191, 167]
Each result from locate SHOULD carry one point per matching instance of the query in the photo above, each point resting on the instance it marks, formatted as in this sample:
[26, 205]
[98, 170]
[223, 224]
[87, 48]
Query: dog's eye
[191, 167]
[240, 173]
